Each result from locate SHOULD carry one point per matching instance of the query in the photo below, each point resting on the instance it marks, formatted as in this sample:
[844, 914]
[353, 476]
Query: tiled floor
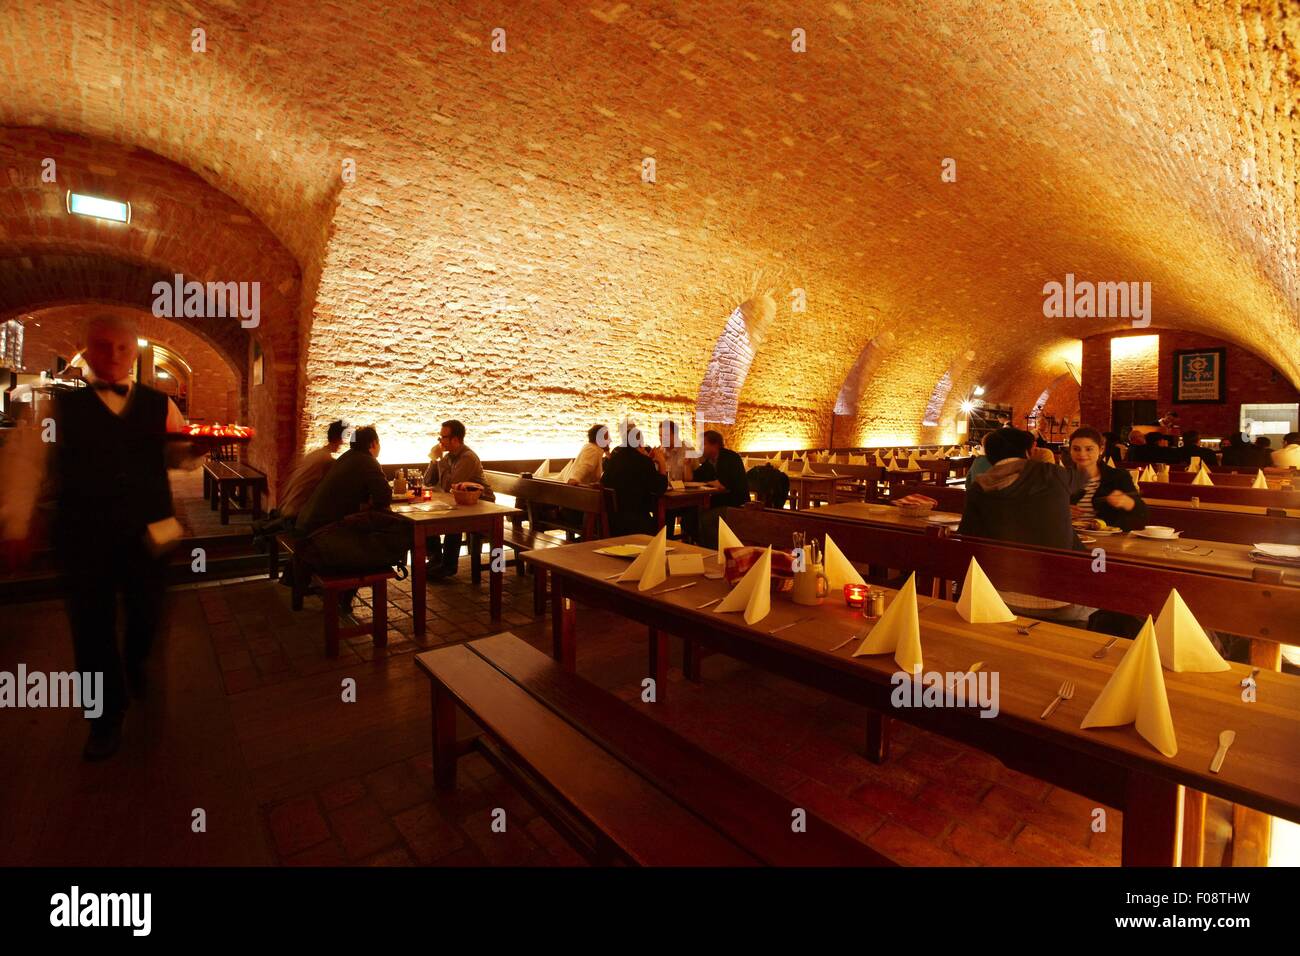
[246, 721]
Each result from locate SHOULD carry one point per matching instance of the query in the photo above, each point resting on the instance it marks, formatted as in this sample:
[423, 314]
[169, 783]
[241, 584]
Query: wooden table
[680, 499]
[1212, 556]
[804, 486]
[1220, 506]
[1114, 766]
[485, 518]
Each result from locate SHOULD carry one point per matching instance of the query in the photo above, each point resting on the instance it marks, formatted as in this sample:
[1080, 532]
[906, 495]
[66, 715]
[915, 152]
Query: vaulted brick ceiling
[500, 258]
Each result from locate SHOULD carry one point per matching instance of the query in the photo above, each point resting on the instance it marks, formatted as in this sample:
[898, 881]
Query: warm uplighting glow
[143, 343]
[97, 208]
[1127, 347]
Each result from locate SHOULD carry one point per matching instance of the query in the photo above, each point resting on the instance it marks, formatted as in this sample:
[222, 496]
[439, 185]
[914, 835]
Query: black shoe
[434, 572]
[105, 737]
[137, 682]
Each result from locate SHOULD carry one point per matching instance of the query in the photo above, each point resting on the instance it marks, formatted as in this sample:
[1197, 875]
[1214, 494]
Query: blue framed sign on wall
[1200, 375]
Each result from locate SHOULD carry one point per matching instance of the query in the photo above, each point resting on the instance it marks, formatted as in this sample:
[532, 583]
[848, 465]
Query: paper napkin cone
[880, 462]
[898, 630]
[980, 602]
[1148, 474]
[753, 593]
[726, 539]
[912, 465]
[543, 469]
[839, 569]
[1184, 648]
[1260, 481]
[649, 565]
[1135, 694]
[1196, 464]
[1202, 478]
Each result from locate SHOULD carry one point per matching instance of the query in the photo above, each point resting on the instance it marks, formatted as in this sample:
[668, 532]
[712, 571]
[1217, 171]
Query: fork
[1065, 693]
[783, 627]
[1027, 629]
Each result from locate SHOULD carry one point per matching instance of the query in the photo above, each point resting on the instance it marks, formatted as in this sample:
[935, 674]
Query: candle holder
[855, 595]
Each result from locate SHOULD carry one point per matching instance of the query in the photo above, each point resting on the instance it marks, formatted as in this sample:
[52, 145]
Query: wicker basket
[466, 496]
[914, 511]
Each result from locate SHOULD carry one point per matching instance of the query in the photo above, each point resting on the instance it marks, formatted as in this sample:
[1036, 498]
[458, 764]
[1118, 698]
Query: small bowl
[1159, 531]
[466, 497]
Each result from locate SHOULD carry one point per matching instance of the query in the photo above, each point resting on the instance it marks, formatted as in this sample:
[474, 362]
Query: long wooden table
[1188, 554]
[804, 485]
[484, 517]
[1221, 506]
[681, 499]
[1113, 765]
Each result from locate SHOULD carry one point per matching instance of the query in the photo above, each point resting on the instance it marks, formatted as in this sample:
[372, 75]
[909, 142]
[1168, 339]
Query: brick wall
[1250, 379]
[213, 387]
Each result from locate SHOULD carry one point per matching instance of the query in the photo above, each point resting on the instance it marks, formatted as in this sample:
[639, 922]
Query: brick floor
[360, 792]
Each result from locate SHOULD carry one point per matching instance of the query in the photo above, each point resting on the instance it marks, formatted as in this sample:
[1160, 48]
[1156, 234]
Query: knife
[1225, 741]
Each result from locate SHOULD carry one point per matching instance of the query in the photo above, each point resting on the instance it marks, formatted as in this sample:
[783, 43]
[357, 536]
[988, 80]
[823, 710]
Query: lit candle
[855, 595]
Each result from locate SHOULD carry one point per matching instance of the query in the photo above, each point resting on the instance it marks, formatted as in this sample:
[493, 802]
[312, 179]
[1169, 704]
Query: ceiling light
[143, 343]
[967, 407]
[162, 374]
[83, 205]
[979, 390]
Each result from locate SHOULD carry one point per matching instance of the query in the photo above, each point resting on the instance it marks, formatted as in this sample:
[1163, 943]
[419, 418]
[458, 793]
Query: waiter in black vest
[114, 520]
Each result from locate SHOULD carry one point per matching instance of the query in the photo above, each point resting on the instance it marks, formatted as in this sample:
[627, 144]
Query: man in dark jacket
[1027, 502]
[636, 474]
[355, 480]
[724, 470]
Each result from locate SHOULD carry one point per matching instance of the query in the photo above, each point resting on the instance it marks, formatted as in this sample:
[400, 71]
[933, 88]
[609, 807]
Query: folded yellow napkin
[650, 566]
[726, 539]
[1202, 478]
[1184, 646]
[543, 469]
[753, 593]
[839, 569]
[880, 462]
[1147, 474]
[1136, 694]
[898, 630]
[980, 602]
[1260, 481]
[1196, 464]
[784, 466]
[912, 465]
[857, 459]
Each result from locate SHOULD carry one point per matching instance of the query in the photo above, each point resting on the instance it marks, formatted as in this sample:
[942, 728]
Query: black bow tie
[110, 387]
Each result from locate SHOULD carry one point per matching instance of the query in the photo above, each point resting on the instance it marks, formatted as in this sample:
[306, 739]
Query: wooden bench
[227, 481]
[591, 502]
[1217, 494]
[617, 784]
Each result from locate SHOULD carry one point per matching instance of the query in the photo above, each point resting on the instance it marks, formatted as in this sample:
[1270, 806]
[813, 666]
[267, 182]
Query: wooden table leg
[331, 598]
[419, 555]
[539, 591]
[496, 573]
[1194, 803]
[1252, 831]
[659, 663]
[661, 514]
[877, 736]
[562, 625]
[444, 739]
[1153, 822]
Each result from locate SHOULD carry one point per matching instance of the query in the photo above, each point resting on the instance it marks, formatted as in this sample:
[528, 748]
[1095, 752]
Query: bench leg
[539, 591]
[444, 739]
[331, 622]
[659, 663]
[257, 501]
[216, 494]
[225, 504]
[877, 737]
[379, 612]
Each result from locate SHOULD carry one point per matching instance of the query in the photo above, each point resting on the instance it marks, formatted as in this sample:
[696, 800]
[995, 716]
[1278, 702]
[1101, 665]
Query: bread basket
[467, 495]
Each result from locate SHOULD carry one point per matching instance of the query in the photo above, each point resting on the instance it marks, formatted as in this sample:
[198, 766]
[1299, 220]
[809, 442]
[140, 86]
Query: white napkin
[898, 630]
[1260, 481]
[543, 469]
[649, 565]
[1135, 694]
[1184, 646]
[980, 602]
[1202, 478]
[839, 570]
[726, 539]
[753, 593]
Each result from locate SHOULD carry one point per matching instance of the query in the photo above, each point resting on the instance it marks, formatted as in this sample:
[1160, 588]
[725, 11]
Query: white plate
[1278, 550]
[1099, 531]
[944, 519]
[630, 553]
[1142, 533]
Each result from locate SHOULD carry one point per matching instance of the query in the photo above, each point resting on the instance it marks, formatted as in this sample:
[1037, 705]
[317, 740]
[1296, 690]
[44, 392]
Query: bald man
[114, 518]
